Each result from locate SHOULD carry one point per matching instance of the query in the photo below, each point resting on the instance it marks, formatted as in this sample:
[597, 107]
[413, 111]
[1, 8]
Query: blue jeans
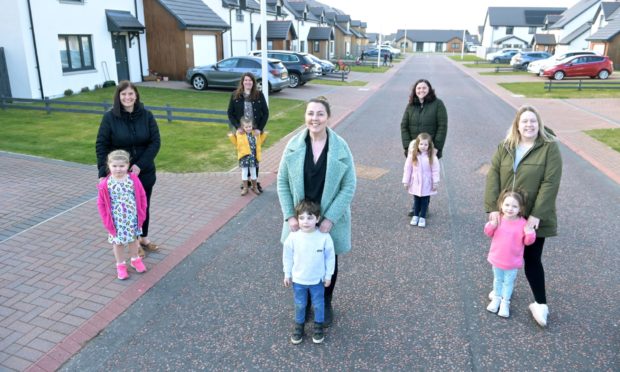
[504, 282]
[317, 294]
[420, 205]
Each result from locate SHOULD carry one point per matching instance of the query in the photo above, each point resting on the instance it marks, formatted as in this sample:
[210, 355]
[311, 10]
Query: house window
[317, 46]
[455, 46]
[278, 10]
[76, 52]
[438, 47]
[531, 30]
[239, 15]
[510, 30]
[332, 46]
[269, 45]
[302, 46]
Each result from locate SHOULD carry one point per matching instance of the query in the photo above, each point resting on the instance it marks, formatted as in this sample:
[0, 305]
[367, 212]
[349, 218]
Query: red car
[580, 65]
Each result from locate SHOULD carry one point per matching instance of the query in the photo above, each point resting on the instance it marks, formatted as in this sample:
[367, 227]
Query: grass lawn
[347, 83]
[486, 65]
[537, 90]
[186, 146]
[368, 68]
[610, 137]
[524, 73]
[466, 58]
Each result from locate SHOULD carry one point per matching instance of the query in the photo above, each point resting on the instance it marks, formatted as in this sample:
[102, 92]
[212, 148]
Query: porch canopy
[123, 21]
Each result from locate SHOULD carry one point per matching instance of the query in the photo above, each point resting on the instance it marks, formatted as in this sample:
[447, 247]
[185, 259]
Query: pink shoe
[121, 271]
[137, 264]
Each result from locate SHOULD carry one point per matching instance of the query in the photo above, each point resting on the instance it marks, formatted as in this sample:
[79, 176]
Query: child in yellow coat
[248, 144]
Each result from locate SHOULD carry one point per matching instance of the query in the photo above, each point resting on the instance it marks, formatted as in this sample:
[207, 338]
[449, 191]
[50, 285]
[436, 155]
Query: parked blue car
[504, 57]
[523, 59]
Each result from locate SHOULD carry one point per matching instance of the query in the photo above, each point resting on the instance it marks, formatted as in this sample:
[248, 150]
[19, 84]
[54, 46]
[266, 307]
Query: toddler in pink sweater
[509, 239]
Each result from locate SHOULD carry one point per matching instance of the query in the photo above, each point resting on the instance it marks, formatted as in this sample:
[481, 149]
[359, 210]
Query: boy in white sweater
[308, 259]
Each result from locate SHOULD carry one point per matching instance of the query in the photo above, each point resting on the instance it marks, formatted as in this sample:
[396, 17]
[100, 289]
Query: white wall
[52, 18]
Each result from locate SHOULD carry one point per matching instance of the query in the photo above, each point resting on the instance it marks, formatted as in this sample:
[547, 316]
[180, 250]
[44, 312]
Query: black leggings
[148, 181]
[534, 271]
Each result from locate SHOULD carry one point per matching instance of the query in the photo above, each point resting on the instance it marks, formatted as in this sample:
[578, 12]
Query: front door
[119, 43]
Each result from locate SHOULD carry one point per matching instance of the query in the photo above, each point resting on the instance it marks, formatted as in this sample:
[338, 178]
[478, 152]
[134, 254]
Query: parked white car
[535, 66]
[492, 56]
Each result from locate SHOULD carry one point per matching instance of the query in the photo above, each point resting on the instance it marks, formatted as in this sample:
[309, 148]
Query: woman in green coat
[528, 159]
[317, 165]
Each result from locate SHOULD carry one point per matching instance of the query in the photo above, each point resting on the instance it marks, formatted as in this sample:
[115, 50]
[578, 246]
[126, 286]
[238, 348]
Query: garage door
[205, 52]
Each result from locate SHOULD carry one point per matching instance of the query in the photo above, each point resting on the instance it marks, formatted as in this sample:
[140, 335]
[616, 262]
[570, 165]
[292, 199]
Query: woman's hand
[287, 282]
[532, 222]
[494, 218]
[256, 132]
[135, 169]
[325, 226]
[293, 224]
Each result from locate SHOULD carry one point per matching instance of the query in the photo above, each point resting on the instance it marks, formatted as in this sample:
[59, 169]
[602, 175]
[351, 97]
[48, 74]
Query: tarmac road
[406, 298]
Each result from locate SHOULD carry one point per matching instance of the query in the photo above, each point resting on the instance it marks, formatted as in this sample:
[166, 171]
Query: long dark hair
[254, 93]
[122, 85]
[430, 97]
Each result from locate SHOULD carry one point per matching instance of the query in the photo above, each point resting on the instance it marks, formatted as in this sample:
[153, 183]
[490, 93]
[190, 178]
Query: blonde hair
[513, 137]
[518, 195]
[120, 155]
[414, 151]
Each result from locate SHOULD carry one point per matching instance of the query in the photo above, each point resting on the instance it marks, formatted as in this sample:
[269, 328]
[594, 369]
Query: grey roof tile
[193, 14]
[520, 16]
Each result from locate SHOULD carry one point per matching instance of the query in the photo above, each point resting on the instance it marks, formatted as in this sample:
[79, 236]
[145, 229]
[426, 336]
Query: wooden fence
[98, 108]
[581, 84]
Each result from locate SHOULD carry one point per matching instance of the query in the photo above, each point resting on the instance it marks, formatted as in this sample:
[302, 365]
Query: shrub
[85, 89]
[109, 83]
[98, 86]
[68, 92]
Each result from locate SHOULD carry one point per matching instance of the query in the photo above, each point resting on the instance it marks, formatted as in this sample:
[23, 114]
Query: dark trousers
[534, 271]
[148, 181]
[420, 205]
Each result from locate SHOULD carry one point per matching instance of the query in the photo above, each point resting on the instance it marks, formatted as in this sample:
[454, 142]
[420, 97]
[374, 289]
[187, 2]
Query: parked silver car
[227, 73]
[326, 66]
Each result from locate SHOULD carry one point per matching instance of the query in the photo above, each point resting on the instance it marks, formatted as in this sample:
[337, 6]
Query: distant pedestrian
[421, 176]
[529, 159]
[308, 259]
[391, 58]
[509, 237]
[122, 206]
[248, 144]
[385, 59]
[248, 101]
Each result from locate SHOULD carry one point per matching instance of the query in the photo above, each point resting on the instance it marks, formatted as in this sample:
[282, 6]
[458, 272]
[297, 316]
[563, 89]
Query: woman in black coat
[248, 101]
[130, 127]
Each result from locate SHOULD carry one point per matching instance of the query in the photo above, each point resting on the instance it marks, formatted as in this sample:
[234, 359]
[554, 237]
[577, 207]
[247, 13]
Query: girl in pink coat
[122, 206]
[421, 176]
[509, 239]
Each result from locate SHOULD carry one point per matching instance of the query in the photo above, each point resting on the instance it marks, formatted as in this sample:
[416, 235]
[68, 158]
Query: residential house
[280, 35]
[605, 38]
[360, 28]
[53, 46]
[573, 26]
[441, 41]
[342, 34]
[182, 34]
[315, 36]
[512, 27]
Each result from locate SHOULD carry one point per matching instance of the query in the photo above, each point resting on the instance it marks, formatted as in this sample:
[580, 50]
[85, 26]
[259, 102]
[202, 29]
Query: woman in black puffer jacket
[130, 127]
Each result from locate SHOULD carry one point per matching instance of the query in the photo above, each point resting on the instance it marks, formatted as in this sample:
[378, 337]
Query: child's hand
[327, 283]
[287, 282]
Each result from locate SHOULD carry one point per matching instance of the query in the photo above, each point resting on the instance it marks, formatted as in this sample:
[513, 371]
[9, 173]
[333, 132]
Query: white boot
[494, 305]
[422, 222]
[491, 295]
[540, 313]
[504, 309]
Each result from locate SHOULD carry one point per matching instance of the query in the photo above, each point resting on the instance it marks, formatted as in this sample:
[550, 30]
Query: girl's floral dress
[249, 161]
[124, 211]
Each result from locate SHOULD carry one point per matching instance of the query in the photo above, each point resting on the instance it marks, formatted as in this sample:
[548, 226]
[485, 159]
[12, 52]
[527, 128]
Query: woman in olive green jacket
[529, 160]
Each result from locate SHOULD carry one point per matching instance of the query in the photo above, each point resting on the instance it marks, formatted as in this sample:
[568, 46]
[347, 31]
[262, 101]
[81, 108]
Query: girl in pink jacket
[122, 206]
[421, 176]
[509, 239]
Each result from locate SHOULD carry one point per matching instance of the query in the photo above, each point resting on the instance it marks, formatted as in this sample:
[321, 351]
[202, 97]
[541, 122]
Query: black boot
[318, 335]
[298, 334]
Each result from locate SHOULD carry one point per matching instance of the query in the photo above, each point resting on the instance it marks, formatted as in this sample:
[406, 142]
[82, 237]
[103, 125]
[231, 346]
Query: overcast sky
[386, 16]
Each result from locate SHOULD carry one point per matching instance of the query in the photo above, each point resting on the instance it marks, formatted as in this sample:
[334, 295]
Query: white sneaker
[504, 309]
[540, 313]
[491, 295]
[414, 220]
[494, 305]
[422, 222]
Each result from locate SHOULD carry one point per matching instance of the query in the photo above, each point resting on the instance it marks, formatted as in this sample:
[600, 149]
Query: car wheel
[603, 74]
[199, 82]
[525, 66]
[559, 75]
[293, 80]
[495, 60]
